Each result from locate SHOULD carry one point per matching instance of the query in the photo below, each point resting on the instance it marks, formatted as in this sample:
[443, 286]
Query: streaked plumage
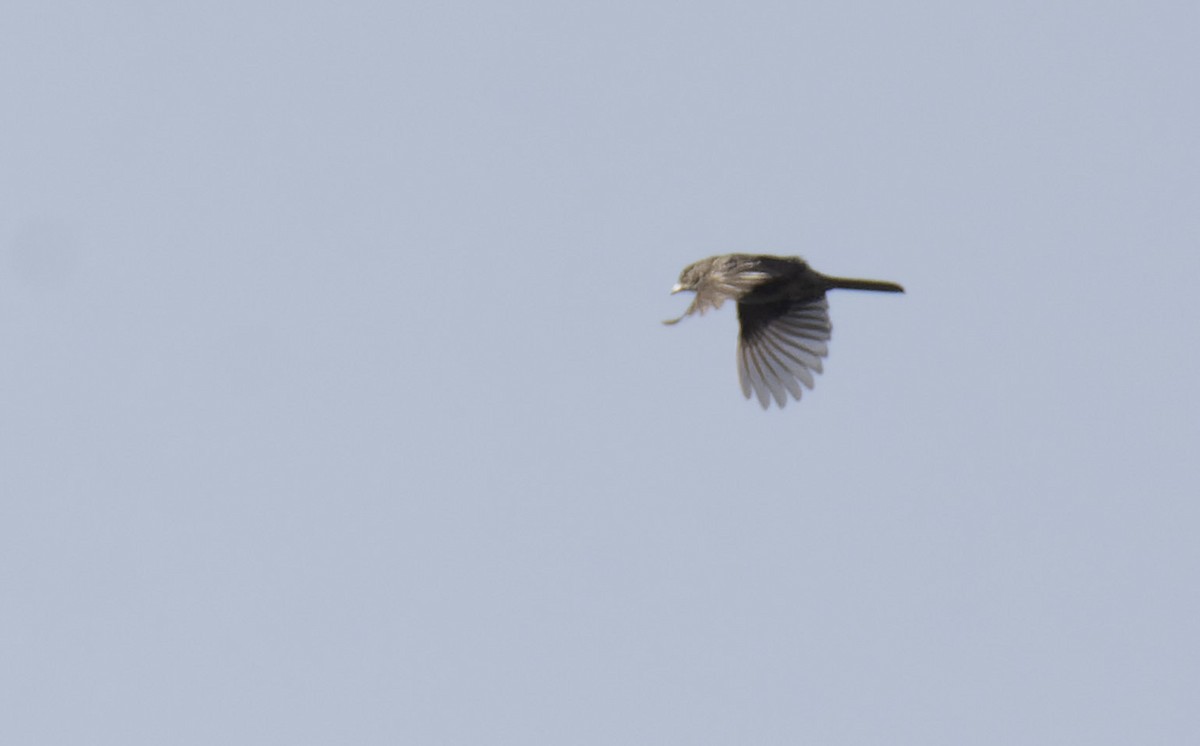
[783, 313]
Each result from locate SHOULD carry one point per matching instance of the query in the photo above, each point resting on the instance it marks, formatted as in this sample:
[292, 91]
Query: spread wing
[781, 346]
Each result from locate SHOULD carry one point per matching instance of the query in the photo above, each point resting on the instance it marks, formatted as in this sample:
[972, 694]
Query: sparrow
[782, 312]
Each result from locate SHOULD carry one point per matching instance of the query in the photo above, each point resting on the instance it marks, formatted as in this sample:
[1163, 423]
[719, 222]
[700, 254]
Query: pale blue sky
[336, 407]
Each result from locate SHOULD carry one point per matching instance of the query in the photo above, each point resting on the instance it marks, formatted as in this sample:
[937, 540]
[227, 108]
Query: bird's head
[698, 278]
[692, 275]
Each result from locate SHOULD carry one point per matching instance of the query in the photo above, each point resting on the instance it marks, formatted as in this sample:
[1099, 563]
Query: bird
[782, 313]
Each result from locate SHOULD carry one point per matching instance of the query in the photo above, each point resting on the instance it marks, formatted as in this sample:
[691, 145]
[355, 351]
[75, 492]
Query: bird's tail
[847, 283]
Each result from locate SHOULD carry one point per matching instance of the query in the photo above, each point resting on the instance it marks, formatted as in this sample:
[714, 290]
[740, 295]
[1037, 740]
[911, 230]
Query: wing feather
[780, 348]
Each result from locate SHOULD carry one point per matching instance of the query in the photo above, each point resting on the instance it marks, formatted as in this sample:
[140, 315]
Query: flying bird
[782, 311]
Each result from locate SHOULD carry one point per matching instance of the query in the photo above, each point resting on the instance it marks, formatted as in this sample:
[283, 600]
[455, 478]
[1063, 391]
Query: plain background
[335, 407]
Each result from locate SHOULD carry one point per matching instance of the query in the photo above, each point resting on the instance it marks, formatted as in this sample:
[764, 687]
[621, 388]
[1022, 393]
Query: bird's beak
[677, 288]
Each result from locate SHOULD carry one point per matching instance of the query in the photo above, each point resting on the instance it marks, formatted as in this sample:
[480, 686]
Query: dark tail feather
[850, 284]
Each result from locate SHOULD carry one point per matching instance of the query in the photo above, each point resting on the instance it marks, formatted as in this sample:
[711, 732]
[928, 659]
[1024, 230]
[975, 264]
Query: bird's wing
[781, 346]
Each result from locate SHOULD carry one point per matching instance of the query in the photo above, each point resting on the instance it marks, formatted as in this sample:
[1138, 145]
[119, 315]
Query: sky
[336, 407]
